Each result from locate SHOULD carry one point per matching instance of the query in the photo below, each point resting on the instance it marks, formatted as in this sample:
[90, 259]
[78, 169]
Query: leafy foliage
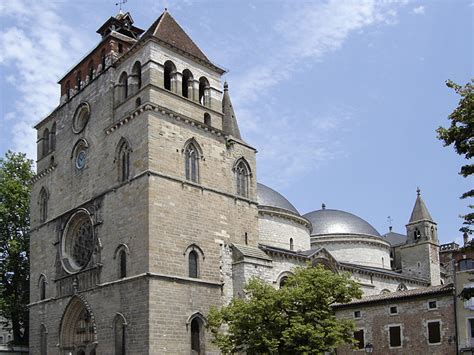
[296, 319]
[461, 134]
[15, 175]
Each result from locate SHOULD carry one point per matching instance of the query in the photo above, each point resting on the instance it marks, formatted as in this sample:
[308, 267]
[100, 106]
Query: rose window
[77, 242]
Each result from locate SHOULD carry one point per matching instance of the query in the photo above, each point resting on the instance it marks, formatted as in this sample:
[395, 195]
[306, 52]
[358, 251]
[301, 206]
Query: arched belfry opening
[78, 333]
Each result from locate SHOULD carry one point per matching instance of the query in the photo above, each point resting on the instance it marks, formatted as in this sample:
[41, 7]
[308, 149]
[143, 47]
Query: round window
[81, 159]
[81, 117]
[77, 243]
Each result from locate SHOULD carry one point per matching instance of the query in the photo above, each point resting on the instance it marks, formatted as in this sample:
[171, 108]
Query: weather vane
[120, 3]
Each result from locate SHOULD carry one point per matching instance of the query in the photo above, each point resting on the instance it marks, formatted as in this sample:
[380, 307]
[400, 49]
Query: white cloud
[420, 10]
[37, 49]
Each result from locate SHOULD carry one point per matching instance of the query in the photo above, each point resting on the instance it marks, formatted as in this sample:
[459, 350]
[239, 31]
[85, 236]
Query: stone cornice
[183, 182]
[171, 278]
[43, 173]
[350, 239]
[382, 274]
[266, 210]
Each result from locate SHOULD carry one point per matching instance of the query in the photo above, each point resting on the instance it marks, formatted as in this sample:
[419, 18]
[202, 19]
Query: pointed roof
[229, 122]
[420, 212]
[166, 29]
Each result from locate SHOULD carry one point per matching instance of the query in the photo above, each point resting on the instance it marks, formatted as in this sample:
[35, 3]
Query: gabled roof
[420, 212]
[166, 29]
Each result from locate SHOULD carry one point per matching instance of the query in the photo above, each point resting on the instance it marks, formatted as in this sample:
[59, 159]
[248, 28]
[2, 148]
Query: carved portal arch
[78, 331]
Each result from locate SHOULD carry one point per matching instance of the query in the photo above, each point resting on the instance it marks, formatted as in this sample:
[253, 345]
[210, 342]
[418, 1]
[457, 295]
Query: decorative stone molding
[43, 173]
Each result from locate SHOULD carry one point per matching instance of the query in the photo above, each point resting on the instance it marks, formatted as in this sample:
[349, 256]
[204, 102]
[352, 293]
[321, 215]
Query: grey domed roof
[328, 221]
[269, 197]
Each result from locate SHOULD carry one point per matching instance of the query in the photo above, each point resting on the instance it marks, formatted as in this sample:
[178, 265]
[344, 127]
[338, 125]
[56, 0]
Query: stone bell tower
[143, 184]
[420, 255]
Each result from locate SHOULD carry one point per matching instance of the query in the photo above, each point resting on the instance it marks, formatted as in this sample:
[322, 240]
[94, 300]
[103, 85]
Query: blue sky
[341, 98]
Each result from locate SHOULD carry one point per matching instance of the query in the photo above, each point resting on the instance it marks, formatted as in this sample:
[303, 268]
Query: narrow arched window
[52, 142]
[193, 264]
[242, 176]
[169, 72]
[102, 59]
[123, 84]
[124, 160]
[137, 77]
[42, 287]
[195, 336]
[43, 340]
[291, 244]
[123, 264]
[187, 83]
[417, 234]
[207, 119]
[43, 202]
[45, 142]
[78, 80]
[120, 340]
[68, 90]
[204, 91]
[192, 163]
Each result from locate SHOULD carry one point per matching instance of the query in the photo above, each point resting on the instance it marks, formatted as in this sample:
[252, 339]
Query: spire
[166, 29]
[420, 212]
[229, 124]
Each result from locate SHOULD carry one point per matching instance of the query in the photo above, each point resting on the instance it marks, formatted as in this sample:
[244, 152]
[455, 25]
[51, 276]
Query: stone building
[146, 208]
[464, 302]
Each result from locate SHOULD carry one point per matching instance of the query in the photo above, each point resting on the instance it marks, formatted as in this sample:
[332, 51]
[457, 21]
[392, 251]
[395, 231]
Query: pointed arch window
[168, 76]
[123, 160]
[242, 174]
[120, 335]
[43, 201]
[193, 264]
[45, 142]
[191, 153]
[42, 287]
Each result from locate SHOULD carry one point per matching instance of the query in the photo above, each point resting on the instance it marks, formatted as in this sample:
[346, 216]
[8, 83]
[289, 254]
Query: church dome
[327, 221]
[270, 198]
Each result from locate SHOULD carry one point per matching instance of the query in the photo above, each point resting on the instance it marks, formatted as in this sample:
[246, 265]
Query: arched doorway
[78, 334]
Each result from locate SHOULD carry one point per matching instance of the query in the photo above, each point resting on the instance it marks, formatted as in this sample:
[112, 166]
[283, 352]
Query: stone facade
[411, 312]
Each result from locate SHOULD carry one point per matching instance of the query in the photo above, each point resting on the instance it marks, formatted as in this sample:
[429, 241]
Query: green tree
[295, 319]
[461, 134]
[15, 175]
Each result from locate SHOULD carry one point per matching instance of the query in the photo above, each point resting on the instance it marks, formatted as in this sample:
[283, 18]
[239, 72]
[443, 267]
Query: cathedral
[146, 210]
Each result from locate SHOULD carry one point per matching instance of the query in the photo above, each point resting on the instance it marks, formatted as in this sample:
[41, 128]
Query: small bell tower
[420, 255]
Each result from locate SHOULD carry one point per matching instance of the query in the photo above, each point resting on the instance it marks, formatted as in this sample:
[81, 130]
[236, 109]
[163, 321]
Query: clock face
[81, 159]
